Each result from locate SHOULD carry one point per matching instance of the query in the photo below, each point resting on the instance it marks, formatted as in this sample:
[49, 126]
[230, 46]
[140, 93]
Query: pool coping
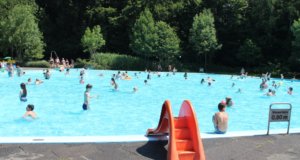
[134, 138]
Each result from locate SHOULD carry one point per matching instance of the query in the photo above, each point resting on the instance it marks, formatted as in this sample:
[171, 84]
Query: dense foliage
[112, 61]
[144, 36]
[262, 28]
[203, 34]
[20, 33]
[40, 63]
[92, 40]
[168, 43]
[295, 57]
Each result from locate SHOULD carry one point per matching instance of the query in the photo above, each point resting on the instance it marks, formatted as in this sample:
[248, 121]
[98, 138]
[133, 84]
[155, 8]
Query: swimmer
[118, 76]
[239, 91]
[274, 84]
[233, 84]
[135, 89]
[87, 97]
[47, 74]
[229, 101]
[37, 81]
[19, 71]
[23, 93]
[269, 93]
[29, 112]
[10, 70]
[82, 72]
[146, 82]
[185, 75]
[67, 71]
[274, 92]
[148, 76]
[81, 80]
[116, 86]
[290, 91]
[202, 81]
[263, 85]
[220, 119]
[112, 81]
[28, 81]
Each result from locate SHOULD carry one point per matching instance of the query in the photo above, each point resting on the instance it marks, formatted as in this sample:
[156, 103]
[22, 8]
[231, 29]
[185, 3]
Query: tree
[168, 42]
[295, 56]
[144, 36]
[21, 34]
[249, 53]
[203, 34]
[92, 40]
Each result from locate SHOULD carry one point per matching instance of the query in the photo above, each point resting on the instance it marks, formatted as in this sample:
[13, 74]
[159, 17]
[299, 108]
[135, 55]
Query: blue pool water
[58, 103]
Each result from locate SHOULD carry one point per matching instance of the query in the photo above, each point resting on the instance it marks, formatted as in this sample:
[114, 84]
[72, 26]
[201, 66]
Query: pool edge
[134, 138]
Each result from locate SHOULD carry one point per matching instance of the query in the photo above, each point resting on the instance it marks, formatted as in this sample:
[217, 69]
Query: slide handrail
[166, 127]
[188, 112]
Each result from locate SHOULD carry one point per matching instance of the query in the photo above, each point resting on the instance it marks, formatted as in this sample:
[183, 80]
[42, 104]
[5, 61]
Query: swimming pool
[58, 103]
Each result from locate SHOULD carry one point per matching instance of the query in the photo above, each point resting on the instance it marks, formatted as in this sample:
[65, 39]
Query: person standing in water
[23, 92]
[19, 71]
[185, 75]
[290, 90]
[87, 97]
[10, 70]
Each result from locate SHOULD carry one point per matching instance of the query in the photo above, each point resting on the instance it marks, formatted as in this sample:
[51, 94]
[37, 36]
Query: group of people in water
[220, 118]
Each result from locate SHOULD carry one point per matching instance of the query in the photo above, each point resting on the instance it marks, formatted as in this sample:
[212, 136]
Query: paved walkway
[273, 147]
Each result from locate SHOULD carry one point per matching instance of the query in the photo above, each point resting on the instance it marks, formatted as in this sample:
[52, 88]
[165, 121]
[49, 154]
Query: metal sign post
[280, 115]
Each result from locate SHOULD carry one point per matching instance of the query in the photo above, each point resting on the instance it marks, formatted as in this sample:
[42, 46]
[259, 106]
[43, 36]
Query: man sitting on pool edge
[220, 119]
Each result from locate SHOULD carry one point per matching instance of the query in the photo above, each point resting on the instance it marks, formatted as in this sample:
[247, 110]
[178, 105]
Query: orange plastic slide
[184, 142]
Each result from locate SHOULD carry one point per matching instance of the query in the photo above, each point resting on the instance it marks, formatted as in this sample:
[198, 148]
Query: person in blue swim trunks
[220, 119]
[87, 97]
[23, 92]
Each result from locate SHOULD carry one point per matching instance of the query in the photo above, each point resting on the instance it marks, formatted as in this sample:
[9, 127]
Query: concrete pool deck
[272, 147]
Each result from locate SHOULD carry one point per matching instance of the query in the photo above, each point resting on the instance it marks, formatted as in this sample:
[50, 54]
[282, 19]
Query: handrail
[166, 126]
[187, 111]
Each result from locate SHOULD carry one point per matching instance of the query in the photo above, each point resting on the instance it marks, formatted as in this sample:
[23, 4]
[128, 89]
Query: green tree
[144, 36]
[249, 53]
[168, 42]
[203, 34]
[20, 32]
[295, 56]
[92, 40]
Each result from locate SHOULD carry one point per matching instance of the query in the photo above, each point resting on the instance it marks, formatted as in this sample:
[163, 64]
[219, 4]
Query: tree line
[235, 33]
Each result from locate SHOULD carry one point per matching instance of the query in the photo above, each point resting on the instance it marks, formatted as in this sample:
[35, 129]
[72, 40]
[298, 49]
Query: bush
[80, 63]
[113, 61]
[39, 64]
